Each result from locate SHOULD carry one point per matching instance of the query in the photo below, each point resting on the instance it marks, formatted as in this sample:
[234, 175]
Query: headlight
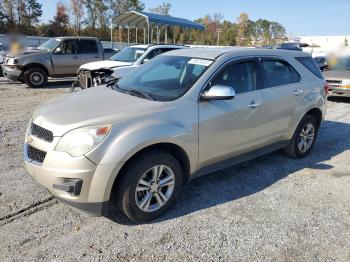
[345, 83]
[82, 140]
[12, 61]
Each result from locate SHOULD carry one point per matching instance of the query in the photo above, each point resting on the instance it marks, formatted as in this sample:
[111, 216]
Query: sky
[299, 17]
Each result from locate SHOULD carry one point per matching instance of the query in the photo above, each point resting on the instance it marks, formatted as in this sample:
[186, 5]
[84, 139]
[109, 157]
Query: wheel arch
[317, 114]
[33, 65]
[178, 152]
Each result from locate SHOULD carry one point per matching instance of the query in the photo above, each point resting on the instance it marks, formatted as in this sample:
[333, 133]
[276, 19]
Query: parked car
[338, 77]
[321, 62]
[121, 64]
[184, 114]
[57, 57]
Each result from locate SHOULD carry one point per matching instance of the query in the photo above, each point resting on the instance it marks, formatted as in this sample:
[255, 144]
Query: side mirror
[58, 50]
[146, 60]
[218, 92]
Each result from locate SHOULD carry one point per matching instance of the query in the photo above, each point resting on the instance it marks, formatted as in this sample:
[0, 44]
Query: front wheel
[35, 77]
[149, 186]
[304, 138]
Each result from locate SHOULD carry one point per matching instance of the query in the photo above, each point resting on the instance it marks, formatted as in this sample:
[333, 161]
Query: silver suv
[184, 114]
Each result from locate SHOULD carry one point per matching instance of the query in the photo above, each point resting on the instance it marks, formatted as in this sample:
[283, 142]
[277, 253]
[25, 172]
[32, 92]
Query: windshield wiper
[133, 92]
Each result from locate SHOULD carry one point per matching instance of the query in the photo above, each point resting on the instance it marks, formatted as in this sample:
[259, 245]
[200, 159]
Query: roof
[213, 53]
[142, 19]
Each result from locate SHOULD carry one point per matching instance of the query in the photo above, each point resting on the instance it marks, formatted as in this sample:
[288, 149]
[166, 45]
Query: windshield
[49, 45]
[128, 54]
[165, 78]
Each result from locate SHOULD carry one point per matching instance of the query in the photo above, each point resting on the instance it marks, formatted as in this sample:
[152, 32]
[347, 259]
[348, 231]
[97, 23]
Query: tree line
[94, 17]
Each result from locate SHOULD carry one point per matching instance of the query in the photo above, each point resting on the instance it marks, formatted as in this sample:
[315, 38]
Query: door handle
[254, 104]
[298, 92]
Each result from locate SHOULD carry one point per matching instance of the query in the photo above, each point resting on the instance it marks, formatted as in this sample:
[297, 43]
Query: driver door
[228, 128]
[65, 58]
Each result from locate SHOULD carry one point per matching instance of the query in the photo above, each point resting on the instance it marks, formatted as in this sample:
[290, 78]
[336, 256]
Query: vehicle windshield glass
[165, 78]
[49, 45]
[342, 63]
[128, 54]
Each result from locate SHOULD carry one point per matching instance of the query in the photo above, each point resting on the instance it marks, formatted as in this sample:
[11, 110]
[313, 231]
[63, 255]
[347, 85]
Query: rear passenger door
[281, 92]
[88, 51]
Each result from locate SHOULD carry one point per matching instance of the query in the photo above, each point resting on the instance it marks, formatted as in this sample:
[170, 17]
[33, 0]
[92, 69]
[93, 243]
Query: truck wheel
[149, 186]
[304, 138]
[35, 77]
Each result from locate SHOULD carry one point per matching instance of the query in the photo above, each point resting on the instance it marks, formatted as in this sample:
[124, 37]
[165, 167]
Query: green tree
[163, 9]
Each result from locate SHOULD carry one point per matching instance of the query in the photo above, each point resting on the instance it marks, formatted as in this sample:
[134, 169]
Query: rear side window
[278, 73]
[310, 64]
[87, 46]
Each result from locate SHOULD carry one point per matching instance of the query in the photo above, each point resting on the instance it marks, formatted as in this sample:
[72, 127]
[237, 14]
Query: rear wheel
[304, 138]
[35, 77]
[149, 186]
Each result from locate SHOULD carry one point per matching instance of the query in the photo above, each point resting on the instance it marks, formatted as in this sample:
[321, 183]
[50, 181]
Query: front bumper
[12, 73]
[57, 171]
[339, 91]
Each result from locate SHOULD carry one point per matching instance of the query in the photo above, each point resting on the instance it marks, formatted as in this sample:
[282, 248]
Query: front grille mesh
[35, 154]
[41, 133]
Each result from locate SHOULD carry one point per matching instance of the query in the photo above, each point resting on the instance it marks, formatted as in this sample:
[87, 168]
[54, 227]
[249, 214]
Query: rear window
[87, 46]
[311, 65]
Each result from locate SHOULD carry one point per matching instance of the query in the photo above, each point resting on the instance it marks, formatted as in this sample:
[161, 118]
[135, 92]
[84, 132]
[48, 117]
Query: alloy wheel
[155, 188]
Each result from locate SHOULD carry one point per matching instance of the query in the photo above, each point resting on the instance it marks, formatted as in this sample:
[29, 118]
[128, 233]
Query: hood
[94, 106]
[337, 75]
[27, 52]
[103, 64]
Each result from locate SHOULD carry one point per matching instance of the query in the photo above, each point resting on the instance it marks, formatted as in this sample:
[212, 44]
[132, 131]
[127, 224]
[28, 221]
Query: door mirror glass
[58, 50]
[146, 60]
[219, 92]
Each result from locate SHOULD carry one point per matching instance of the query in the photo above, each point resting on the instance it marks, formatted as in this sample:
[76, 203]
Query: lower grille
[35, 154]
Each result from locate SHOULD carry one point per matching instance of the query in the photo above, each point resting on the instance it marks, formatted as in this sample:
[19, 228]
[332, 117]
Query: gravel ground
[272, 208]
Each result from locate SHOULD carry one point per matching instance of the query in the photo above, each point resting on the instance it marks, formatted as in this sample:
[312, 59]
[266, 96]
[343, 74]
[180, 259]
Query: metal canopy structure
[144, 20]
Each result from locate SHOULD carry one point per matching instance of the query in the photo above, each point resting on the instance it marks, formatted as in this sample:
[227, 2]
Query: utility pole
[218, 31]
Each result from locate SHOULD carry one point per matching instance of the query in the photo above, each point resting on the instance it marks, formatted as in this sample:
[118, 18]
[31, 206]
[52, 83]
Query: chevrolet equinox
[136, 143]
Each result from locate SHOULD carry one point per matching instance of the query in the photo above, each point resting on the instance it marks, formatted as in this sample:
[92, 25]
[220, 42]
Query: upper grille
[41, 133]
[35, 154]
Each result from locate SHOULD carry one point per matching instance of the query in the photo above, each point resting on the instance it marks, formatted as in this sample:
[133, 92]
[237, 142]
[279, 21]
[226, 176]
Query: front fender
[125, 141]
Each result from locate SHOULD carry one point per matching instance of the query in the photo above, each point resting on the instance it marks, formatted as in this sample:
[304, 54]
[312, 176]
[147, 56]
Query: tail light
[326, 87]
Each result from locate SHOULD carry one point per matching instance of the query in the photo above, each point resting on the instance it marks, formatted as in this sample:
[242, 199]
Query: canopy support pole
[166, 34]
[144, 35]
[136, 35]
[148, 31]
[174, 29]
[128, 36]
[120, 38]
[157, 34]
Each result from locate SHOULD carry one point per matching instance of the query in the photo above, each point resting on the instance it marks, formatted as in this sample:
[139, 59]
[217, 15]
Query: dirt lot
[272, 208]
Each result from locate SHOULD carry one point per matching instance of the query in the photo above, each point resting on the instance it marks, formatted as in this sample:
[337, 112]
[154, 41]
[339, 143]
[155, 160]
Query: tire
[294, 150]
[129, 201]
[35, 77]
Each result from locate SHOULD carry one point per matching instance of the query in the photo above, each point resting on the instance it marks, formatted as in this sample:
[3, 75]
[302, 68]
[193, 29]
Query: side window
[241, 76]
[278, 73]
[69, 46]
[87, 47]
[310, 64]
[153, 53]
